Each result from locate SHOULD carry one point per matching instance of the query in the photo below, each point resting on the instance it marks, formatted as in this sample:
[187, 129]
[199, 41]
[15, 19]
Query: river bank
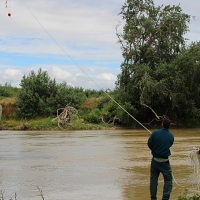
[46, 124]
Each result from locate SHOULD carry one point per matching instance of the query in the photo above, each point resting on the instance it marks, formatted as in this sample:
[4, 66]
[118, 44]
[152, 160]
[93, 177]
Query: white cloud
[10, 75]
[12, 72]
[60, 74]
[107, 76]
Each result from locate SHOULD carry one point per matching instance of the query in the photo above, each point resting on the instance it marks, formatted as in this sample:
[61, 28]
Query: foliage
[41, 96]
[91, 111]
[7, 90]
[93, 93]
[93, 116]
[40, 122]
[184, 85]
[185, 196]
[107, 107]
[151, 34]
[67, 95]
[103, 108]
[36, 91]
[159, 72]
[81, 124]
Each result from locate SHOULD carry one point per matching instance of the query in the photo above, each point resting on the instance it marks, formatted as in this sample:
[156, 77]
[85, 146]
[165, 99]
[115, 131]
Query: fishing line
[81, 68]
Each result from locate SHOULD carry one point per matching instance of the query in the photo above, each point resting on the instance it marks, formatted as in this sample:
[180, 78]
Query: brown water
[88, 165]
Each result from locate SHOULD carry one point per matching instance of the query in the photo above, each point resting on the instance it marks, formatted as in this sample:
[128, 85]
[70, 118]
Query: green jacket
[160, 142]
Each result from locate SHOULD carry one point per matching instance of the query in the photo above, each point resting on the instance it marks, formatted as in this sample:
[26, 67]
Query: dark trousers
[156, 169]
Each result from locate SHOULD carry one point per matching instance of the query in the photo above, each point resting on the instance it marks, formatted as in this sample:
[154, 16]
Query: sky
[73, 40]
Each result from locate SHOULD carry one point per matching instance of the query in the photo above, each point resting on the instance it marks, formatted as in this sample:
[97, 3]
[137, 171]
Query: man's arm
[172, 140]
[150, 143]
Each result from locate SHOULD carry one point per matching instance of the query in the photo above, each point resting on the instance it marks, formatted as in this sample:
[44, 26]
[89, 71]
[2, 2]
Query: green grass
[45, 124]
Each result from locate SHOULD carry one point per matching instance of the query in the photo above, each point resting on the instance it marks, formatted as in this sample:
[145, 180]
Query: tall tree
[151, 39]
[185, 85]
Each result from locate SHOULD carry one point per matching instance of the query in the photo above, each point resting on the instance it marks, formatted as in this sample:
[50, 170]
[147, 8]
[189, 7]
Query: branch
[158, 117]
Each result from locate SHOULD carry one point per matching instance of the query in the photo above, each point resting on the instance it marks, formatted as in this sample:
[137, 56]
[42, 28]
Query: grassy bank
[47, 124]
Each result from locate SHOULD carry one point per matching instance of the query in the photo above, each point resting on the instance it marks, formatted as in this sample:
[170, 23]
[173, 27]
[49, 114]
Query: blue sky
[73, 40]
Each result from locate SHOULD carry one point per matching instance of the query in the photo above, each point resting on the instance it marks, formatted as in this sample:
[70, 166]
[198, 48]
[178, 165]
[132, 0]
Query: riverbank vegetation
[186, 196]
[160, 73]
[33, 108]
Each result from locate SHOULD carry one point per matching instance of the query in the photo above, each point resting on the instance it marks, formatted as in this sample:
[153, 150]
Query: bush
[41, 96]
[7, 90]
[93, 116]
[186, 196]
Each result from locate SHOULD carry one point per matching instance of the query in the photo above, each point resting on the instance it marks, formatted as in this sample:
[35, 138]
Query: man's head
[165, 123]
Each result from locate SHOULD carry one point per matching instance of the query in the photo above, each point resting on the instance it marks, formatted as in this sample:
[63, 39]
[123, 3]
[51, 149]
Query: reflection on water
[87, 165]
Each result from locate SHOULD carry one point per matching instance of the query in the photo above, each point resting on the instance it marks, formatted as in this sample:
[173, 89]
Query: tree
[36, 92]
[68, 95]
[42, 96]
[152, 38]
[185, 84]
[151, 34]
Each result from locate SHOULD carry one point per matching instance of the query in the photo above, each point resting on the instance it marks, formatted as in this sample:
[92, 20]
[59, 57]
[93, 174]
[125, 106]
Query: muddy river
[88, 165]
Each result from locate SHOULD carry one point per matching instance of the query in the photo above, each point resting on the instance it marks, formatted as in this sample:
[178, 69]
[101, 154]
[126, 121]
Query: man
[160, 142]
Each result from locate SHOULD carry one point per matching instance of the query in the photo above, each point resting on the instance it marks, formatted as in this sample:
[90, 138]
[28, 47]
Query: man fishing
[160, 142]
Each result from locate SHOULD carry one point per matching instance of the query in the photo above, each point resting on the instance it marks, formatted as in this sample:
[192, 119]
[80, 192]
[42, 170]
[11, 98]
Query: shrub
[7, 90]
[186, 196]
[93, 116]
